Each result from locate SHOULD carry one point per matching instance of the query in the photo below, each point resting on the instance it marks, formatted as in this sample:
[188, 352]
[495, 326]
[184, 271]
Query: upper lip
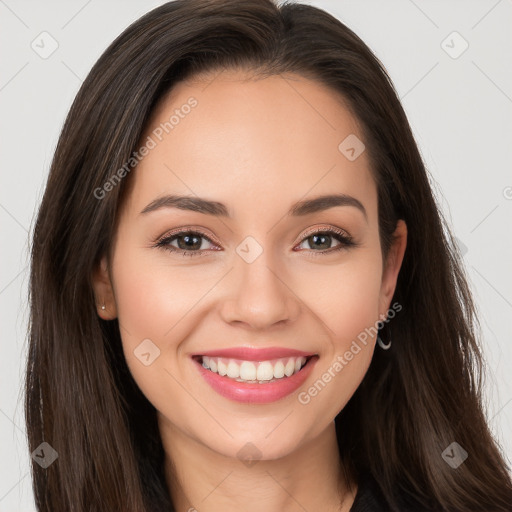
[255, 354]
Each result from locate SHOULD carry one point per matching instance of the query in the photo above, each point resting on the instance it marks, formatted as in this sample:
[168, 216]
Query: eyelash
[346, 241]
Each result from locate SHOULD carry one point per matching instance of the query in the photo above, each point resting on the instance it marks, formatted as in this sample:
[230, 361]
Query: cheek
[345, 297]
[152, 297]
[152, 303]
[165, 300]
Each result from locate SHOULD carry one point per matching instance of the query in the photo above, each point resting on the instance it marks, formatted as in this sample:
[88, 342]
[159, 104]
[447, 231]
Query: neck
[310, 478]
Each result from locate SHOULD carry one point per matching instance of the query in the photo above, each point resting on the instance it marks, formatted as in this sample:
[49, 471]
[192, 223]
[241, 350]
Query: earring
[382, 345]
[103, 307]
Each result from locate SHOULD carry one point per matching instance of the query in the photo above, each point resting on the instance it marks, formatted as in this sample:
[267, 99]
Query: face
[258, 269]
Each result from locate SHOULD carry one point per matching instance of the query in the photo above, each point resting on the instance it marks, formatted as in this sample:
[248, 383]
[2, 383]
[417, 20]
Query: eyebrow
[207, 207]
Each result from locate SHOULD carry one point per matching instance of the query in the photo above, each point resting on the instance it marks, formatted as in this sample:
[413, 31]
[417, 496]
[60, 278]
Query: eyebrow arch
[299, 209]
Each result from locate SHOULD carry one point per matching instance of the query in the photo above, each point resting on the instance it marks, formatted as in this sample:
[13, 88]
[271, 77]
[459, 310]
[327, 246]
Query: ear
[103, 291]
[392, 267]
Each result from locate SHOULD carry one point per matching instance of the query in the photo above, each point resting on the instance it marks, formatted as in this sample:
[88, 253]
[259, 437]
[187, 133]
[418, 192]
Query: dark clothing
[369, 497]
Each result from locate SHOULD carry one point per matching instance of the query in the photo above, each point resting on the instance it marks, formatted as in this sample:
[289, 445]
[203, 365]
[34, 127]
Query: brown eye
[189, 242]
[322, 240]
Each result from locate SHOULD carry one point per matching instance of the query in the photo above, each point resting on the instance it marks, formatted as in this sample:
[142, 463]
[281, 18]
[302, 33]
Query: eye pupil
[316, 237]
[190, 242]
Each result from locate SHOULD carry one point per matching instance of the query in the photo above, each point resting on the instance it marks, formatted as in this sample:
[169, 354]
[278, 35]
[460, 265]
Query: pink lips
[255, 393]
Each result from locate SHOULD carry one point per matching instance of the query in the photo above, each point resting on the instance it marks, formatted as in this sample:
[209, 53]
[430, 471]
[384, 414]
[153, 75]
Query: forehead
[273, 139]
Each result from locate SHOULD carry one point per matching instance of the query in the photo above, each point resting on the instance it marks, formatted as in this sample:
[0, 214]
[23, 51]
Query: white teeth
[221, 367]
[247, 370]
[252, 371]
[265, 371]
[289, 369]
[279, 370]
[233, 370]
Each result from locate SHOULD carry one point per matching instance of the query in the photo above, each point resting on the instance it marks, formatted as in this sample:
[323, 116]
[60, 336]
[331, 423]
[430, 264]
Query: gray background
[459, 108]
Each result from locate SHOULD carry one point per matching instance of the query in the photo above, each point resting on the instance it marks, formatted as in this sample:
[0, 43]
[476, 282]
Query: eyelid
[187, 229]
[321, 229]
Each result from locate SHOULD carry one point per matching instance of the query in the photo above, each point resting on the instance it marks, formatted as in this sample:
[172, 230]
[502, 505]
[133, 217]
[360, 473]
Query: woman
[192, 347]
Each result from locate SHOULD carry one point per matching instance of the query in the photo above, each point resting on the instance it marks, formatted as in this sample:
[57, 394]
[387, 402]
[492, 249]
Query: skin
[257, 146]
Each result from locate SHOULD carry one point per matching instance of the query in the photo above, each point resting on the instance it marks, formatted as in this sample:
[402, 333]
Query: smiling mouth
[254, 372]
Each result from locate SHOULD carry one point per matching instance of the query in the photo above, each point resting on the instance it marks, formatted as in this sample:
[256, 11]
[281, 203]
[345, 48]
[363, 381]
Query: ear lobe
[393, 265]
[105, 300]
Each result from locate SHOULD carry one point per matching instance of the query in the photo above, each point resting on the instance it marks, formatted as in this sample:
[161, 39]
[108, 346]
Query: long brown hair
[415, 400]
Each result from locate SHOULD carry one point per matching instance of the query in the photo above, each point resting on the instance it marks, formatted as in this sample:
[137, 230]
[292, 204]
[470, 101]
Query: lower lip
[256, 393]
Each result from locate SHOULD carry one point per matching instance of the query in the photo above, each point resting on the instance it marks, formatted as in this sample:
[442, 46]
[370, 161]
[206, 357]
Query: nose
[260, 297]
